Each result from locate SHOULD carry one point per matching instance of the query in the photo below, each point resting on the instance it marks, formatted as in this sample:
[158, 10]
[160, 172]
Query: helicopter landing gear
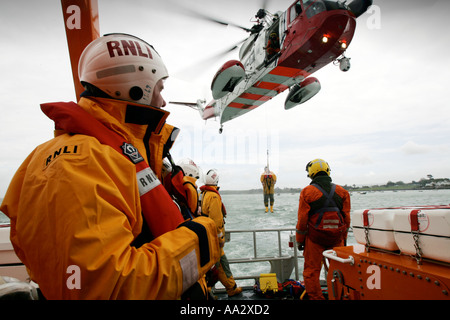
[221, 129]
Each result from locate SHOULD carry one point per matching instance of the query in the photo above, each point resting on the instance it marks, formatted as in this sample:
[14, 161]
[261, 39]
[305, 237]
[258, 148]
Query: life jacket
[268, 180]
[158, 209]
[326, 224]
[184, 190]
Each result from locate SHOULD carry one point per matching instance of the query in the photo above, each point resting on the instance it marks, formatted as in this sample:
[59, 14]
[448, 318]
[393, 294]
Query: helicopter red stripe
[270, 86]
[255, 97]
[286, 72]
[241, 106]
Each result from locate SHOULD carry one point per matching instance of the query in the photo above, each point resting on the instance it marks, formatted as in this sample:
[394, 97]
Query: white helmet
[189, 167]
[122, 66]
[212, 178]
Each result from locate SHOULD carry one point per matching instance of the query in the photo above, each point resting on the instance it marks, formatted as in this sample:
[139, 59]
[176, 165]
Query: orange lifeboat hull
[381, 275]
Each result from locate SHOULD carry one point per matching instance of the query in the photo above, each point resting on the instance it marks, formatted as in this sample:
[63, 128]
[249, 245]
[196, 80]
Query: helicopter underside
[299, 58]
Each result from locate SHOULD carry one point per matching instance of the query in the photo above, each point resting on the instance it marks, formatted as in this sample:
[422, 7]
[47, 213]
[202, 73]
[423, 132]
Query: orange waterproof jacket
[311, 194]
[212, 207]
[75, 213]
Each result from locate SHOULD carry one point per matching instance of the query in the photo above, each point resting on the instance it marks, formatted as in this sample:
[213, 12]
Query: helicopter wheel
[221, 129]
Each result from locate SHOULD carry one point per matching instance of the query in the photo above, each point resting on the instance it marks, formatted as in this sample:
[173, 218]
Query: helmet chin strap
[93, 91]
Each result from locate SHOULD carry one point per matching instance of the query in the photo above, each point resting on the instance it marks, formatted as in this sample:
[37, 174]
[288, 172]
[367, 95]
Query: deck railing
[281, 264]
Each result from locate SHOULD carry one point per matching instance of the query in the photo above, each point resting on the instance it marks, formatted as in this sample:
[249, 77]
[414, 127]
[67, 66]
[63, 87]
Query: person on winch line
[268, 180]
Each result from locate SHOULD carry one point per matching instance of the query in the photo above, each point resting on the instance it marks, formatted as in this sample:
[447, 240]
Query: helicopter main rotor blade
[196, 14]
[211, 19]
[264, 4]
[199, 67]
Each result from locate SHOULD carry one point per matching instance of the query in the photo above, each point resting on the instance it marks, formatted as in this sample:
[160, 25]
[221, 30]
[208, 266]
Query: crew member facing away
[323, 222]
[191, 175]
[213, 208]
[89, 216]
[268, 180]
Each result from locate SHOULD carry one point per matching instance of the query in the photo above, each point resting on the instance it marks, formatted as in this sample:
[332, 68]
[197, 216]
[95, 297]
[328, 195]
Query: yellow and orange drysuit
[77, 218]
[321, 225]
[212, 207]
[268, 180]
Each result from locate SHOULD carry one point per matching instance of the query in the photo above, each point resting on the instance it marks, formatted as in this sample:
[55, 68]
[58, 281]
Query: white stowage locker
[433, 231]
[379, 224]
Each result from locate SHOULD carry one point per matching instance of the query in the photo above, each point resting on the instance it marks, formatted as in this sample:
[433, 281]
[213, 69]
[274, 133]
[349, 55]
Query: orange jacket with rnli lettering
[75, 213]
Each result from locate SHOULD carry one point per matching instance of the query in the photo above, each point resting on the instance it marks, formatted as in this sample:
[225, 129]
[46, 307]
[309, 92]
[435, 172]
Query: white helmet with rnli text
[122, 66]
[212, 178]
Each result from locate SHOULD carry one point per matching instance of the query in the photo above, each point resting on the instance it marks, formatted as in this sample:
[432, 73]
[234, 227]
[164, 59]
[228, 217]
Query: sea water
[247, 212]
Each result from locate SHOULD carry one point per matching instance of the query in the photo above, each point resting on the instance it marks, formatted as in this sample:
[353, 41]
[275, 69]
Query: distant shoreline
[423, 184]
[350, 189]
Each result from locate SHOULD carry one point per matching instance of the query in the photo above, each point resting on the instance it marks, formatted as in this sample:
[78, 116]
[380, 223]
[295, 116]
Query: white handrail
[332, 255]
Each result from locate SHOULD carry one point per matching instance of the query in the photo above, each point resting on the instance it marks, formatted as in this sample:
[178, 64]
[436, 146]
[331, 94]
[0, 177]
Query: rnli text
[61, 151]
[125, 47]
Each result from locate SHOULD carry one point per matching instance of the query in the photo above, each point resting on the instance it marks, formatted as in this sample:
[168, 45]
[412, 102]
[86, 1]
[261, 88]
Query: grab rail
[332, 255]
[257, 258]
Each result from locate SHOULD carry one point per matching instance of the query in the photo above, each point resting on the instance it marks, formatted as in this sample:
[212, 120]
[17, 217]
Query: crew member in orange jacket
[89, 216]
[323, 222]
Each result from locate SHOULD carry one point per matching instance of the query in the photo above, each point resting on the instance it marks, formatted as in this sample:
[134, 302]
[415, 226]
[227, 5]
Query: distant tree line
[424, 183]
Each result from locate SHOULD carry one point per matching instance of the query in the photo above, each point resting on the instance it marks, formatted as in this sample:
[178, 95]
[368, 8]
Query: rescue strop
[160, 212]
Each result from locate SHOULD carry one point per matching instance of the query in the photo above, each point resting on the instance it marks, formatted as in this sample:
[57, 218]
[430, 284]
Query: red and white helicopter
[281, 53]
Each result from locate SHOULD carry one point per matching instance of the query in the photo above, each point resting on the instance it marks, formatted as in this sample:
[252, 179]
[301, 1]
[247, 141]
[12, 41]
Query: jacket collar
[125, 117]
[210, 188]
[324, 181]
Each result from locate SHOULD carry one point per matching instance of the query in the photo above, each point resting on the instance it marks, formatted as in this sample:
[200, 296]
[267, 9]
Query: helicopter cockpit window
[314, 7]
[295, 11]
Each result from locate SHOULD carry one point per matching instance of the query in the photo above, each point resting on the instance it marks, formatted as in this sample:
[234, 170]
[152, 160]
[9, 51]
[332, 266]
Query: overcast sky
[385, 119]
